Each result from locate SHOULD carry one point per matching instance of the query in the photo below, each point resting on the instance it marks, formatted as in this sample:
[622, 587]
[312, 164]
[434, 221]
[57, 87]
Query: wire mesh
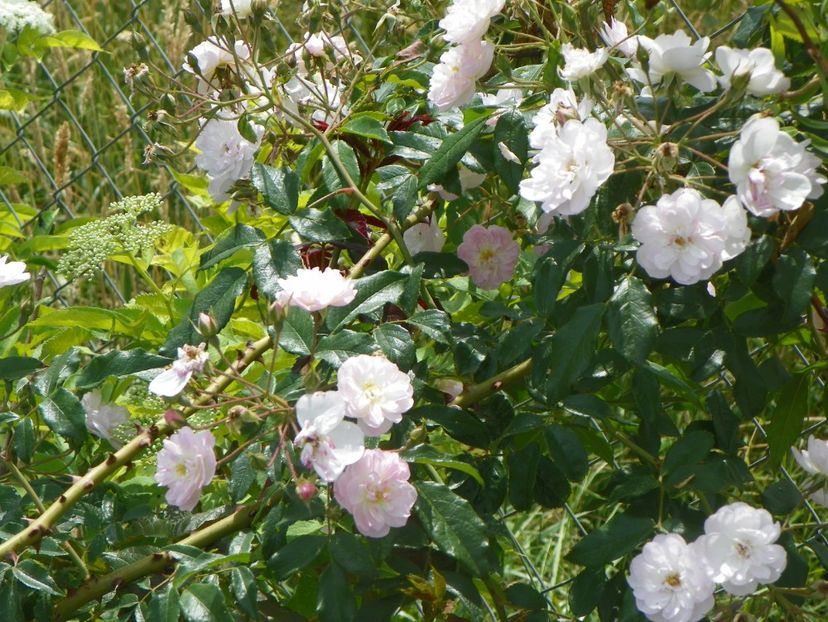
[108, 167]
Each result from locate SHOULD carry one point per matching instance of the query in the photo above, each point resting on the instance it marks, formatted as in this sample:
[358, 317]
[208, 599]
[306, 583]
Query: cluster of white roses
[454, 79]
[673, 581]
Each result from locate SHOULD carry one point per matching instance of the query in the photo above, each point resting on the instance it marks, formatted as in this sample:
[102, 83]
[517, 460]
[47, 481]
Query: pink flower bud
[305, 489]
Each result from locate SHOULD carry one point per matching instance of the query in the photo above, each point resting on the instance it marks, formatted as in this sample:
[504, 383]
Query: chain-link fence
[81, 142]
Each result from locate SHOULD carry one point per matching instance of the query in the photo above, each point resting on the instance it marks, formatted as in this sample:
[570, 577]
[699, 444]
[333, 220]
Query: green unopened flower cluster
[94, 242]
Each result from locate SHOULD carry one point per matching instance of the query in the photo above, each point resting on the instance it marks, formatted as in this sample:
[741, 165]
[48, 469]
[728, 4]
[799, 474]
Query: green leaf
[314, 225]
[13, 99]
[550, 274]
[64, 414]
[117, 363]
[433, 323]
[11, 605]
[60, 369]
[567, 451]
[523, 473]
[245, 590]
[373, 292]
[511, 132]
[397, 345]
[568, 354]
[457, 423]
[683, 457]
[217, 299]
[204, 602]
[336, 601]
[331, 177]
[242, 476]
[16, 367]
[787, 417]
[240, 236]
[353, 554]
[631, 322]
[297, 332]
[781, 497]
[24, 439]
[793, 282]
[71, 39]
[426, 454]
[279, 187]
[35, 576]
[296, 555]
[275, 260]
[337, 348]
[164, 605]
[450, 152]
[366, 126]
[453, 526]
[615, 539]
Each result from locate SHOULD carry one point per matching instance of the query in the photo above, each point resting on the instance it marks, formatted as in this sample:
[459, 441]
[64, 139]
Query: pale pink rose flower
[191, 360]
[376, 492]
[491, 254]
[375, 391]
[328, 442]
[314, 289]
[186, 464]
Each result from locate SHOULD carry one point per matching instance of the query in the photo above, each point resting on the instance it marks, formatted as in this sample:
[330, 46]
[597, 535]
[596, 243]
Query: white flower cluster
[15, 15]
[673, 581]
[574, 158]
[454, 78]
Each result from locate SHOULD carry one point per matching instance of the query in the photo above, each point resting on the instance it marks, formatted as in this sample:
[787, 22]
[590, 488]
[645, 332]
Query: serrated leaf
[242, 476]
[240, 236]
[296, 335]
[397, 345]
[64, 414]
[336, 601]
[16, 367]
[337, 348]
[296, 555]
[35, 576]
[787, 417]
[426, 454]
[450, 152]
[274, 260]
[117, 363]
[71, 39]
[454, 526]
[366, 126]
[611, 541]
[204, 602]
[373, 292]
[217, 299]
[314, 225]
[279, 187]
[631, 321]
[245, 590]
[164, 605]
[433, 323]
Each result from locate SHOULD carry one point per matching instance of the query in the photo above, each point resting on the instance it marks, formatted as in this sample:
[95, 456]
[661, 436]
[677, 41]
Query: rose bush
[464, 265]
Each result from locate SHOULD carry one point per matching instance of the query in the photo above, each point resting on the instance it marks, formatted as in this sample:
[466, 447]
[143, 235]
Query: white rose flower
[314, 289]
[677, 56]
[687, 237]
[375, 391]
[581, 63]
[615, 35]
[738, 548]
[570, 168]
[507, 97]
[468, 20]
[13, 272]
[454, 79]
[226, 156]
[815, 461]
[185, 465]
[563, 105]
[212, 54]
[191, 360]
[103, 418]
[669, 581]
[328, 442]
[764, 78]
[424, 237]
[241, 8]
[771, 171]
